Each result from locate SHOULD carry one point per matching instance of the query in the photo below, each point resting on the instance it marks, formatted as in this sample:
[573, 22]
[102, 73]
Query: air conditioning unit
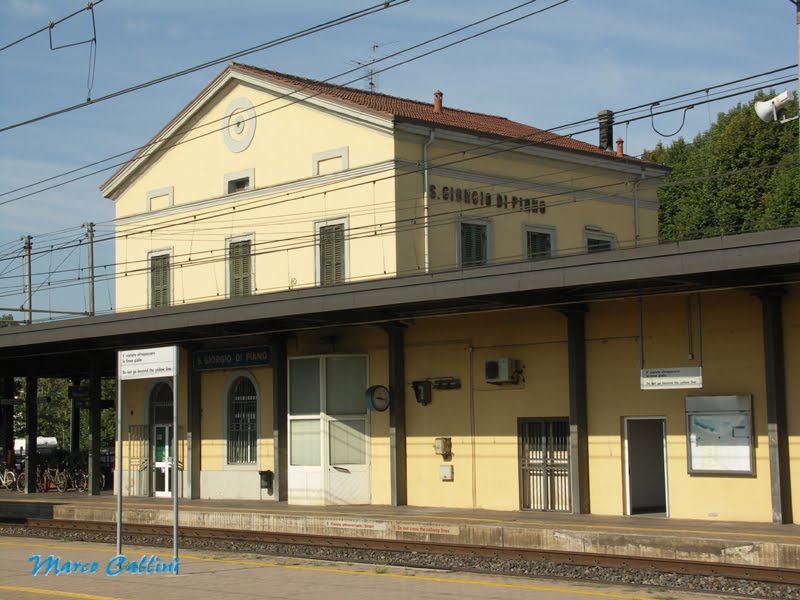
[501, 370]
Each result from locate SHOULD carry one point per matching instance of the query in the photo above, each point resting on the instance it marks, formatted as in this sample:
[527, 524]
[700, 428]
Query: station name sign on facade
[232, 358]
[466, 195]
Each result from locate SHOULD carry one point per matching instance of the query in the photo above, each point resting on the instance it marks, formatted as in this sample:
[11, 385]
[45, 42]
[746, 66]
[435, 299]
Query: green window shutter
[240, 267]
[159, 280]
[539, 245]
[473, 244]
[331, 254]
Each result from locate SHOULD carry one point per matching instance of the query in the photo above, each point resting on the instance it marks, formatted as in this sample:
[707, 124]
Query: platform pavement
[213, 575]
[758, 544]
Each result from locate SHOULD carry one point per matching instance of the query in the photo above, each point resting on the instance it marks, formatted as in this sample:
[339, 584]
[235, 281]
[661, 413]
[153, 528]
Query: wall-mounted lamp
[422, 391]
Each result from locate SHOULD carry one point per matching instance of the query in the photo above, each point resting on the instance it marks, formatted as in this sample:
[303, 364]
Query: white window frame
[227, 388]
[489, 241]
[168, 191]
[153, 254]
[596, 233]
[249, 174]
[317, 257]
[546, 229]
[251, 237]
[318, 157]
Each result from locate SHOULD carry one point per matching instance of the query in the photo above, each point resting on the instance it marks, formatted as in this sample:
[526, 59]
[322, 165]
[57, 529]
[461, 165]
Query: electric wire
[89, 6]
[387, 4]
[300, 244]
[292, 94]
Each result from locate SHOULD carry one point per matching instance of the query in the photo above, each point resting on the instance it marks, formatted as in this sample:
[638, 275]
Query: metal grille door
[544, 464]
[138, 444]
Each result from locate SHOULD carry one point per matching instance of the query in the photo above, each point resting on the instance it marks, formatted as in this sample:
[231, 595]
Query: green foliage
[740, 175]
[55, 415]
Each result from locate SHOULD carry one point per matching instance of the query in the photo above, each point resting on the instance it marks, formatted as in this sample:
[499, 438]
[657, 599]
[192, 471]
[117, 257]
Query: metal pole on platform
[118, 461]
[175, 379]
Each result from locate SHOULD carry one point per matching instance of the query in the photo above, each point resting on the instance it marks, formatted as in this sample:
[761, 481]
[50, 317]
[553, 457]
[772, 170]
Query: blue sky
[561, 66]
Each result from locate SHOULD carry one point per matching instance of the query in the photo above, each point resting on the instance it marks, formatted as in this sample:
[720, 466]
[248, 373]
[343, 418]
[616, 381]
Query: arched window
[161, 403]
[242, 422]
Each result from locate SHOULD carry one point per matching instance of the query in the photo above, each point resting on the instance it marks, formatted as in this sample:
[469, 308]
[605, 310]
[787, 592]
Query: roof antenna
[371, 74]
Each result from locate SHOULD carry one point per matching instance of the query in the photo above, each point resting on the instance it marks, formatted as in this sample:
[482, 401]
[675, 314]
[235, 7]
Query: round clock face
[378, 397]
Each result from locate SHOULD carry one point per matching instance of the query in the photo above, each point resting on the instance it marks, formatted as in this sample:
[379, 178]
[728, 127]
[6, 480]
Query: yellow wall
[482, 419]
[215, 386]
[732, 364]
[383, 207]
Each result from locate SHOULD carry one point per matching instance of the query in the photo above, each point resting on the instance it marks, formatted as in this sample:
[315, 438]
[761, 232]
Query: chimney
[437, 101]
[605, 119]
[620, 142]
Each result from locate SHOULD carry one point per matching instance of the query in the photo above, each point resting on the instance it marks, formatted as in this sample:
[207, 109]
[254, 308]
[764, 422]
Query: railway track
[199, 534]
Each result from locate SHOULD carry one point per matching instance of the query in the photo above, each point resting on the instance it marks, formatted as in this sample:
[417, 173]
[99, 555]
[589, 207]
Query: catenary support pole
[28, 277]
[90, 243]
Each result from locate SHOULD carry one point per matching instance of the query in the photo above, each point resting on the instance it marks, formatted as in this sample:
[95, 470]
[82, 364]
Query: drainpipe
[425, 208]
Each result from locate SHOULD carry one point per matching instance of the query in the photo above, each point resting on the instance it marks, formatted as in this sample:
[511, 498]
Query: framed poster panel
[719, 434]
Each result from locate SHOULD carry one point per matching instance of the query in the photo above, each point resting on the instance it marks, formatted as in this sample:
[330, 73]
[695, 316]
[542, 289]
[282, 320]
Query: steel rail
[582, 559]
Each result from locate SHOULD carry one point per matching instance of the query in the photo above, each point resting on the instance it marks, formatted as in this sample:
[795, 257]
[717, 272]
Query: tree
[740, 175]
[54, 413]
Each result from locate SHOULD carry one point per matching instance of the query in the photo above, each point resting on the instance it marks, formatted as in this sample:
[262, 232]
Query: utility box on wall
[446, 472]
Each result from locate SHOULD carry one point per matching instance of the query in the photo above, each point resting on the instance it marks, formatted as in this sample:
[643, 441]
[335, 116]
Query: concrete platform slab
[713, 541]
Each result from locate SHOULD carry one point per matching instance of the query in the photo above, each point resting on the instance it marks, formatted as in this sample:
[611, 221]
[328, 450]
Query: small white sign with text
[147, 363]
[677, 378]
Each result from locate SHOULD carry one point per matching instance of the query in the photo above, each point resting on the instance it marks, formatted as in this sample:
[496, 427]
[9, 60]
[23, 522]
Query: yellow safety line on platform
[415, 577]
[60, 594]
[417, 517]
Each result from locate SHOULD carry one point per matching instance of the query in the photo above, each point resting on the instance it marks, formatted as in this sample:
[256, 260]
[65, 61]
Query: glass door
[162, 463]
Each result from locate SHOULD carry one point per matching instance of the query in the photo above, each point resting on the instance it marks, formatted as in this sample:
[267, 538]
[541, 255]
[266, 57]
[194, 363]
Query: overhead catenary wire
[279, 97]
[353, 234]
[88, 7]
[456, 161]
[376, 8]
[660, 113]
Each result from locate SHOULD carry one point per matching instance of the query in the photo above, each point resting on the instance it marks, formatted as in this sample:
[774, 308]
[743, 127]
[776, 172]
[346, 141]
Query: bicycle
[76, 480]
[56, 478]
[9, 479]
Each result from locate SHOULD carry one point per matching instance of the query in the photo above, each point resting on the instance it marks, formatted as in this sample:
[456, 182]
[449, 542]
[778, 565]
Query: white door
[348, 468]
[328, 431]
[162, 464]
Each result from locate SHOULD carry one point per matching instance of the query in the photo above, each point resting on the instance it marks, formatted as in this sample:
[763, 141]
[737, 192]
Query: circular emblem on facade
[240, 124]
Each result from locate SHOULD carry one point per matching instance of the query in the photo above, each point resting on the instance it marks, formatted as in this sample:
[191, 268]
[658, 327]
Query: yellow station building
[629, 401]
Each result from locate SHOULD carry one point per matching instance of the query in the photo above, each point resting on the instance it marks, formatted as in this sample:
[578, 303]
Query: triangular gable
[280, 87]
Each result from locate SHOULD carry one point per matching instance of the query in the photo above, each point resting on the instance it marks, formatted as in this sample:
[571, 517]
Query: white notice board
[720, 436]
[147, 363]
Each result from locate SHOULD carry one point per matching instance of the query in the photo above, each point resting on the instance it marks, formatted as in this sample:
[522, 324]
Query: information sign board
[677, 378]
[147, 363]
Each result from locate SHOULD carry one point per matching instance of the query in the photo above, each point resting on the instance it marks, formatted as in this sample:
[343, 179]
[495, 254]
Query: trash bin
[267, 479]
